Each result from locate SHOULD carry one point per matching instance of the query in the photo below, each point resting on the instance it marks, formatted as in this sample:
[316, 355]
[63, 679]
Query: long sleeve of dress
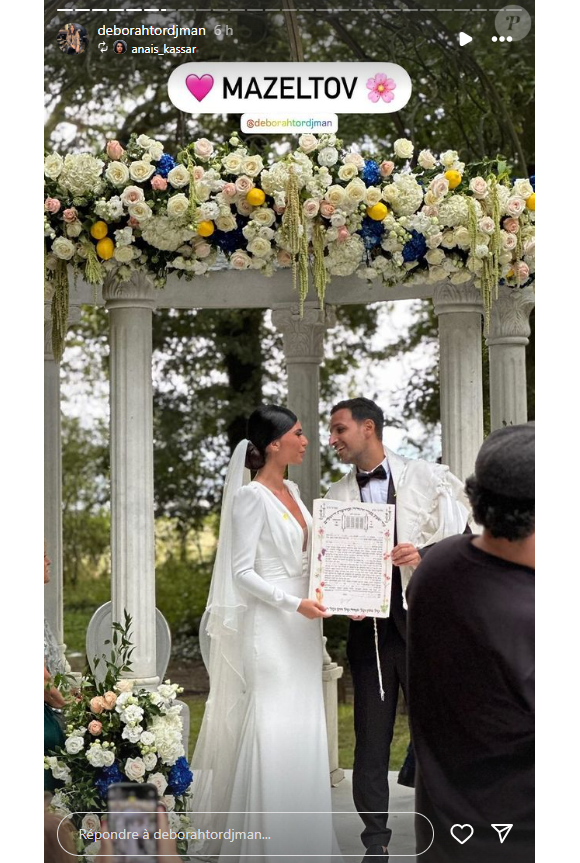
[249, 519]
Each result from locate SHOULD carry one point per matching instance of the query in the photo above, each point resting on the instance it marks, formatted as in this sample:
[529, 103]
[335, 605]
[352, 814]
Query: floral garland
[320, 207]
[116, 732]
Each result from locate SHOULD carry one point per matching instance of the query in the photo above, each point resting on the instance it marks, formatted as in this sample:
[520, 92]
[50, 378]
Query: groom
[429, 505]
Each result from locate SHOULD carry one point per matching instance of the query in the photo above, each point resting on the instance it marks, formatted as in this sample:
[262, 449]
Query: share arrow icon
[502, 831]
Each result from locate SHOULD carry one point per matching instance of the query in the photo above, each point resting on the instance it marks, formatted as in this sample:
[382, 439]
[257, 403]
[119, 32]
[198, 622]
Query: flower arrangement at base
[320, 209]
[116, 732]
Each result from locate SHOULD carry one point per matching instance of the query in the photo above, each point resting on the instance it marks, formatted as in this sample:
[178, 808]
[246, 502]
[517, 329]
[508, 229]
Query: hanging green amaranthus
[294, 231]
[321, 276]
[59, 308]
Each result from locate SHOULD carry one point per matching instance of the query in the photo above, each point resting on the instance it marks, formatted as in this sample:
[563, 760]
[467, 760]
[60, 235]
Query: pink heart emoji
[199, 87]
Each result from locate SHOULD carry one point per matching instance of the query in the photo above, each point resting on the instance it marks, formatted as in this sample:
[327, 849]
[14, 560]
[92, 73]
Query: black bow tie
[363, 478]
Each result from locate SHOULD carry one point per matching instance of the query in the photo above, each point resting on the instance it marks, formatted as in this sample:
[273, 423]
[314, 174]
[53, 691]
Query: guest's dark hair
[505, 517]
[266, 424]
[363, 409]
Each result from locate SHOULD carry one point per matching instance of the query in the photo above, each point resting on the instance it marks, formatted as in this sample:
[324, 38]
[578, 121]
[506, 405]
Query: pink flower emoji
[158, 183]
[381, 87]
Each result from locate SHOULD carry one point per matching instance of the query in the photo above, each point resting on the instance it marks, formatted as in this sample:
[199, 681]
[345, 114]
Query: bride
[261, 761]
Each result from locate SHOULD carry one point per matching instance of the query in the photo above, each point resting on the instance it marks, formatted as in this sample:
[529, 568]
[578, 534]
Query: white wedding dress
[278, 756]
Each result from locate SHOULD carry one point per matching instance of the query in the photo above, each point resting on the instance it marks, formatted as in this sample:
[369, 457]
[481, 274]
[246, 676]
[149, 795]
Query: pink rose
[515, 206]
[229, 190]
[386, 168]
[202, 250]
[244, 184]
[109, 700]
[158, 183]
[326, 209]
[243, 208]
[95, 727]
[70, 215]
[133, 223]
[114, 150]
[521, 270]
[279, 209]
[52, 205]
[132, 195]
[284, 258]
[97, 704]
[198, 172]
[511, 225]
[343, 234]
[310, 208]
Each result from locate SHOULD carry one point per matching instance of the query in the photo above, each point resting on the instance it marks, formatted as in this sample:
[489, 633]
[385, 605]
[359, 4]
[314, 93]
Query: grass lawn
[345, 733]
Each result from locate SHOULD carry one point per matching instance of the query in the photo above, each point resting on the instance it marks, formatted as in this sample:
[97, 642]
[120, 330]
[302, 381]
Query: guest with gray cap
[471, 668]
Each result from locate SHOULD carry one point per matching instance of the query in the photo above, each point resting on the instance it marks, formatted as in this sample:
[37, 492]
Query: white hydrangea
[132, 714]
[161, 233]
[453, 211]
[80, 174]
[168, 741]
[409, 194]
[343, 258]
[132, 733]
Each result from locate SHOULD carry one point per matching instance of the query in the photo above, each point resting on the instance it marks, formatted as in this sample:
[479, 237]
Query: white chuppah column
[459, 309]
[304, 351]
[130, 305]
[508, 336]
[53, 598]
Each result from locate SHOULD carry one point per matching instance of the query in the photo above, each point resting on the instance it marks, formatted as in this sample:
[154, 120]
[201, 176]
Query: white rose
[373, 196]
[515, 206]
[435, 256]
[328, 156]
[439, 186]
[335, 195]
[264, 216]
[259, 247]
[252, 165]
[347, 172]
[203, 148]
[403, 148]
[159, 781]
[74, 745]
[178, 177]
[460, 237]
[427, 160]
[117, 173]
[123, 254]
[95, 754]
[233, 163]
[63, 248]
[244, 184]
[53, 166]
[144, 141]
[310, 208]
[523, 188]
[449, 158]
[479, 187]
[149, 760]
[140, 211]
[355, 191]
[508, 241]
[155, 150]
[134, 769]
[354, 159]
[177, 206]
[141, 171]
[243, 208]
[481, 251]
[91, 823]
[337, 220]
[74, 229]
[226, 223]
[131, 195]
[486, 225]
[240, 261]
[307, 143]
[202, 250]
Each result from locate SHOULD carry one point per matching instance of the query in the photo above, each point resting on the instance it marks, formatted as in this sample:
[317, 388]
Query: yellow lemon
[453, 178]
[509, 274]
[105, 248]
[531, 201]
[377, 212]
[205, 229]
[99, 230]
[255, 197]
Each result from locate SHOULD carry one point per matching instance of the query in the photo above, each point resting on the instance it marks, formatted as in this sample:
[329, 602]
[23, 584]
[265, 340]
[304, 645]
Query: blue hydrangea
[180, 777]
[164, 165]
[415, 248]
[533, 181]
[108, 776]
[371, 232]
[371, 174]
[229, 241]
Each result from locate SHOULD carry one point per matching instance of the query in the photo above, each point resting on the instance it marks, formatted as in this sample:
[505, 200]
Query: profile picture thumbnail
[119, 47]
[72, 39]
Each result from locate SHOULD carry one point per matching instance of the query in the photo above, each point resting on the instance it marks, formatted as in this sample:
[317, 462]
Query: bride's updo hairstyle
[266, 424]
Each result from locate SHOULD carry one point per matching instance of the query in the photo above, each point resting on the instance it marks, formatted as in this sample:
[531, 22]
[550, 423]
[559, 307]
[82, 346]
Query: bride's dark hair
[266, 424]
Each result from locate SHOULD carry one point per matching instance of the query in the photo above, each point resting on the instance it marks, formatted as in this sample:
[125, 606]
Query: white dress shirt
[376, 490]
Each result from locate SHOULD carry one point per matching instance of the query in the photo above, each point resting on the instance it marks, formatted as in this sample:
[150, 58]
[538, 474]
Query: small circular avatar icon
[119, 47]
[72, 39]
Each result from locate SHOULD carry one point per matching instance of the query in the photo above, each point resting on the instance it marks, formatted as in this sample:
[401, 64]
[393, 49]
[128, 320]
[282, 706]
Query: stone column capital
[449, 298]
[510, 316]
[303, 336]
[136, 292]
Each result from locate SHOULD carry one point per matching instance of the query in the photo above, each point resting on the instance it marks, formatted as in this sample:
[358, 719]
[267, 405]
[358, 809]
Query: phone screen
[132, 821]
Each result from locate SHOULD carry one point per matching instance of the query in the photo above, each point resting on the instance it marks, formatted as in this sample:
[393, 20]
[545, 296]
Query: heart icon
[199, 87]
[459, 831]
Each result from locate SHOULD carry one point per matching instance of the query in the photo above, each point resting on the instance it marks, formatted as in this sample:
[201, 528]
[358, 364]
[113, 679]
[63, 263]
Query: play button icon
[464, 38]
[502, 831]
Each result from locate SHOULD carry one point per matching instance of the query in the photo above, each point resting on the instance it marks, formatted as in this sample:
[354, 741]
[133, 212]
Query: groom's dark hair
[363, 409]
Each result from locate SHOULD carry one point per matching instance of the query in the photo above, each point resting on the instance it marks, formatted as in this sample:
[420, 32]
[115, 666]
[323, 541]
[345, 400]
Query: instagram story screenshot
[289, 439]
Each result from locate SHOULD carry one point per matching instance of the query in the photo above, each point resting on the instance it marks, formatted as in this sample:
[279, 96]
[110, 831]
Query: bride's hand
[312, 609]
